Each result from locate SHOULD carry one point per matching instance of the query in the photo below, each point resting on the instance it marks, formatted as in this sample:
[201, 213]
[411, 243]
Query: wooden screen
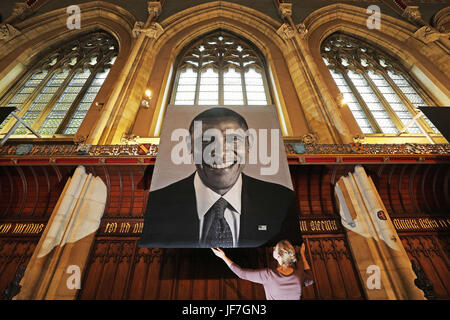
[27, 198]
[416, 197]
[418, 201]
[119, 269]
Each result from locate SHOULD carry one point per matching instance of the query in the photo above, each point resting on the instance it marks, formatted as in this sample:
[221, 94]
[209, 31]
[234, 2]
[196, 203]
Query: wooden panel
[31, 192]
[13, 255]
[334, 273]
[413, 189]
[119, 269]
[196, 273]
[127, 189]
[431, 253]
[314, 188]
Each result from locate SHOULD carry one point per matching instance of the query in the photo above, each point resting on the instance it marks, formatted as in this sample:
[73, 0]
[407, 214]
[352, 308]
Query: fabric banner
[221, 179]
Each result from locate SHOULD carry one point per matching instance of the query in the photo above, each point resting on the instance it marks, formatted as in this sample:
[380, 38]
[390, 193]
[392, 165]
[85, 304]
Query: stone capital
[427, 34]
[8, 32]
[302, 30]
[153, 31]
[286, 31]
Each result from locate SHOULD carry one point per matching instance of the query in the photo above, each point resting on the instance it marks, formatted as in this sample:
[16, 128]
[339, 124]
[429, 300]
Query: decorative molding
[286, 32]
[441, 20]
[129, 139]
[80, 139]
[8, 32]
[285, 9]
[20, 12]
[428, 34]
[154, 31]
[306, 145]
[309, 138]
[154, 8]
[359, 138]
[412, 13]
[302, 30]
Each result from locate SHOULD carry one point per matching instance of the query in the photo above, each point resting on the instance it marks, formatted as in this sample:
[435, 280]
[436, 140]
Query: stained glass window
[381, 95]
[221, 69]
[54, 97]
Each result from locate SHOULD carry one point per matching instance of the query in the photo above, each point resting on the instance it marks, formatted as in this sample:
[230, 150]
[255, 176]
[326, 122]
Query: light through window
[54, 97]
[221, 69]
[380, 94]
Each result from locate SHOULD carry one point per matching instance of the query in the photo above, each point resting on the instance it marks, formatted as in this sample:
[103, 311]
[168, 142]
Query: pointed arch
[220, 69]
[424, 63]
[255, 27]
[48, 30]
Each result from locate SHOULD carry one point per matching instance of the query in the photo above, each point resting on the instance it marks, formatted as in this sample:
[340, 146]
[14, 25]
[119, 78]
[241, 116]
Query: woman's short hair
[287, 253]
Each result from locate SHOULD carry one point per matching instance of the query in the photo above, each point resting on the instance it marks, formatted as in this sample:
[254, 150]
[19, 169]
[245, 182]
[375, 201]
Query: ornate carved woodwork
[119, 269]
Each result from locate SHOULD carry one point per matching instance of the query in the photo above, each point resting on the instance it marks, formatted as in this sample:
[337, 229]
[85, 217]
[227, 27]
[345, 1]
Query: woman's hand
[219, 252]
[302, 253]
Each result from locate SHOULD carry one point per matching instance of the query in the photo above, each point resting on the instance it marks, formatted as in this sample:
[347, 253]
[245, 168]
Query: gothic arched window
[381, 95]
[55, 95]
[221, 69]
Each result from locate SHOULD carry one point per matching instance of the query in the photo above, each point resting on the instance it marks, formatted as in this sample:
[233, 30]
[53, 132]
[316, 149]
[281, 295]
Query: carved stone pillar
[7, 32]
[118, 118]
[66, 241]
[374, 242]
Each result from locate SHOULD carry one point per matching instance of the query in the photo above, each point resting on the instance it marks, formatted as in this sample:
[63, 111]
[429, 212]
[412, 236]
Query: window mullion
[361, 102]
[243, 84]
[197, 85]
[221, 86]
[16, 88]
[26, 105]
[174, 92]
[411, 108]
[9, 96]
[43, 115]
[419, 90]
[266, 87]
[395, 119]
[76, 102]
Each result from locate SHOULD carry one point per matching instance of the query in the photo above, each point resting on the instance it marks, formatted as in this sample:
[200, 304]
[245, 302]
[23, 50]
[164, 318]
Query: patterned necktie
[216, 231]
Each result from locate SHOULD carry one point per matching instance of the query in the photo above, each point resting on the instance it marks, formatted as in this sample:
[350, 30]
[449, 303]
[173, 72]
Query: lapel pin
[262, 227]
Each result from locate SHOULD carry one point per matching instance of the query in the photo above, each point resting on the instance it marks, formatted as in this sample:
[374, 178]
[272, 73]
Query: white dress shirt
[206, 198]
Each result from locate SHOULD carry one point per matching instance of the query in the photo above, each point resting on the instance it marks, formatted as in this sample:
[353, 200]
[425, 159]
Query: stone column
[66, 241]
[119, 115]
[327, 125]
[374, 242]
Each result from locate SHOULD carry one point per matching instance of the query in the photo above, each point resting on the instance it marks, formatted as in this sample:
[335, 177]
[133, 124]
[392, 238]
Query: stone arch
[183, 27]
[423, 62]
[20, 53]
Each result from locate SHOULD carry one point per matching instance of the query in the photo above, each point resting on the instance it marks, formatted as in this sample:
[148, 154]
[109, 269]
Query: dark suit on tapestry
[268, 214]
